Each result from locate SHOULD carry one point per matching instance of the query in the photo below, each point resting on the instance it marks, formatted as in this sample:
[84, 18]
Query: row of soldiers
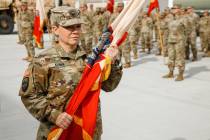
[175, 30]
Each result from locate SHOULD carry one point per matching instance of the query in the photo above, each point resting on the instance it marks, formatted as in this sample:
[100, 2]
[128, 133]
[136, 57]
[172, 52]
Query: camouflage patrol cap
[65, 16]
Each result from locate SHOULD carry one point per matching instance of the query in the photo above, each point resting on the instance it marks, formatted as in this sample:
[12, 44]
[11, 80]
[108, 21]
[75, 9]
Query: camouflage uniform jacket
[177, 30]
[192, 23]
[26, 19]
[87, 18]
[50, 81]
[147, 25]
[203, 24]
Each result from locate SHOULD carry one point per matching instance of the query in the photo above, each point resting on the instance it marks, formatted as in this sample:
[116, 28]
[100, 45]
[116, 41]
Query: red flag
[110, 6]
[83, 105]
[153, 4]
[39, 23]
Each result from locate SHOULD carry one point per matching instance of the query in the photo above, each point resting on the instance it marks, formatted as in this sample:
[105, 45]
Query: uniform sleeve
[34, 91]
[114, 78]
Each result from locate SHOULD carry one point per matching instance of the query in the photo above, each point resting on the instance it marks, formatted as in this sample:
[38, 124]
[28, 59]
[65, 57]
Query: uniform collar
[79, 52]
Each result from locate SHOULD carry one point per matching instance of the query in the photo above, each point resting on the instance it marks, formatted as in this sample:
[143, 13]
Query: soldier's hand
[112, 52]
[63, 120]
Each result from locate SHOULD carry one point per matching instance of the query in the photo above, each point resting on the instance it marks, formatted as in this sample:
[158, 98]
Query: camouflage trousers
[191, 44]
[163, 46]
[146, 40]
[125, 50]
[176, 54]
[133, 40]
[20, 37]
[87, 42]
[28, 41]
[204, 40]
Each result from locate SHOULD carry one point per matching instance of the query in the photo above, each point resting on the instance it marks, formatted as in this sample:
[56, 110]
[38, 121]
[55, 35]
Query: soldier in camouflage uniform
[98, 24]
[146, 31]
[207, 53]
[106, 17]
[176, 48]
[52, 77]
[203, 32]
[133, 38]
[17, 9]
[26, 18]
[191, 34]
[87, 28]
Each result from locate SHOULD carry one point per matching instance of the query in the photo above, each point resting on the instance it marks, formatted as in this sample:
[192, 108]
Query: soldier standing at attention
[98, 24]
[133, 38]
[87, 28]
[52, 77]
[26, 18]
[176, 48]
[193, 19]
[146, 30]
[17, 9]
[203, 32]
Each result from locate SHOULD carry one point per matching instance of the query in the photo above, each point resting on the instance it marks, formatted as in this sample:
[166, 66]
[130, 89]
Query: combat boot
[171, 72]
[194, 52]
[194, 59]
[169, 75]
[143, 50]
[26, 58]
[180, 76]
[148, 52]
[187, 57]
[127, 65]
[30, 59]
[135, 56]
[159, 52]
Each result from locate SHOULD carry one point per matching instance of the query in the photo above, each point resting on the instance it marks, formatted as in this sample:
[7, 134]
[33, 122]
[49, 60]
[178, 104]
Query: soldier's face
[69, 35]
[119, 9]
[24, 7]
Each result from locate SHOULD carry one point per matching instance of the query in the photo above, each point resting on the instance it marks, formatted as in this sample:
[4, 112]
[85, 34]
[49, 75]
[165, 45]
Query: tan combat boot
[180, 76]
[169, 75]
[30, 59]
[159, 52]
[195, 58]
[127, 65]
[171, 72]
[135, 56]
[26, 58]
[143, 50]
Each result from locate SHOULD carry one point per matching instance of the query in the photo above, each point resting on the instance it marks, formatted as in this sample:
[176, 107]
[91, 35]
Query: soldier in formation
[176, 45]
[146, 32]
[25, 18]
[87, 28]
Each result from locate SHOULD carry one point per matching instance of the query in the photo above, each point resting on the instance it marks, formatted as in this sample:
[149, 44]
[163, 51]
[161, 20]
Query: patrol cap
[65, 16]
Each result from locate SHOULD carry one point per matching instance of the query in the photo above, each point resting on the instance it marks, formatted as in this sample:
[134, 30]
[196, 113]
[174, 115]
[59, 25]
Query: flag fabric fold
[83, 104]
[39, 23]
[110, 6]
[154, 4]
